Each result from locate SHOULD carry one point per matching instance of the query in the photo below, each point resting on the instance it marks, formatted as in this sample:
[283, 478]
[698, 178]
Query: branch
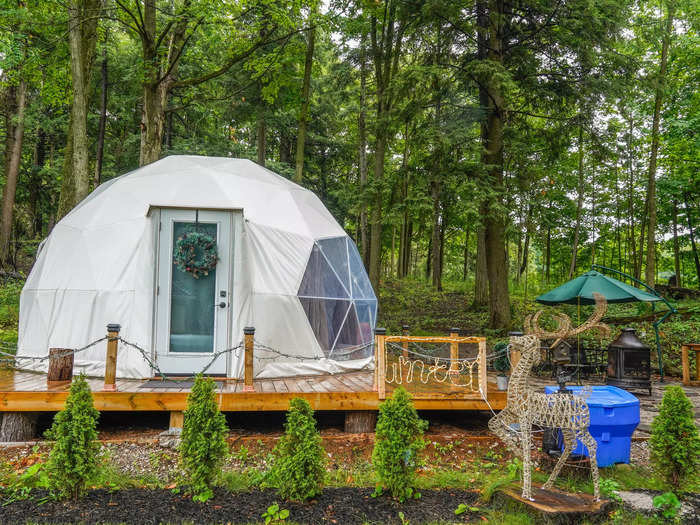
[233, 60]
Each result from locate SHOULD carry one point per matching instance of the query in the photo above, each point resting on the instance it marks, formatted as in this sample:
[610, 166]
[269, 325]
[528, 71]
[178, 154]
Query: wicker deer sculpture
[526, 407]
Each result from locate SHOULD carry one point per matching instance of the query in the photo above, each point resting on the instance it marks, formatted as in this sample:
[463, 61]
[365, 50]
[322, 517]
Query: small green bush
[399, 439]
[298, 467]
[674, 442]
[73, 459]
[203, 445]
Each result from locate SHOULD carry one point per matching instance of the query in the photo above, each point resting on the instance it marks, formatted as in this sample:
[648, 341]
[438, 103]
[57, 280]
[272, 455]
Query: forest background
[478, 151]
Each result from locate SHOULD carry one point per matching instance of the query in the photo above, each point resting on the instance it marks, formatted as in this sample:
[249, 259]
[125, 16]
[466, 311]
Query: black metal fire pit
[629, 362]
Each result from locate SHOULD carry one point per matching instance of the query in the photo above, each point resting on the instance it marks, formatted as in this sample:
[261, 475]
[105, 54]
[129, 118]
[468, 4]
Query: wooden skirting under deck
[27, 391]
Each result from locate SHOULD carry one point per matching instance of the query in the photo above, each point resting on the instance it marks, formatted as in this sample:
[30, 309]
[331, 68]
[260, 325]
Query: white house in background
[285, 267]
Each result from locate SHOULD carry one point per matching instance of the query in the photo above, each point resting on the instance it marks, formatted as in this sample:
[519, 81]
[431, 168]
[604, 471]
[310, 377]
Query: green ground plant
[298, 467]
[674, 442]
[203, 445]
[668, 504]
[398, 442]
[74, 456]
[274, 514]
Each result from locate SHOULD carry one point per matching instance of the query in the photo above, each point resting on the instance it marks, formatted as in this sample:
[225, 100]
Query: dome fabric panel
[99, 265]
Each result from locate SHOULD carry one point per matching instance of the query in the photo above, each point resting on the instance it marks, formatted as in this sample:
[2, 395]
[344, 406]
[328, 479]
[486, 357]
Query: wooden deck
[27, 391]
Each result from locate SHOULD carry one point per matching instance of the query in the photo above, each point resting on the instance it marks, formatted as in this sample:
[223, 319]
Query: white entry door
[193, 314]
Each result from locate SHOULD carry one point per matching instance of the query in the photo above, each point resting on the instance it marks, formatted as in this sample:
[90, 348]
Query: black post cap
[380, 331]
[405, 327]
[454, 330]
[113, 327]
[249, 330]
[515, 334]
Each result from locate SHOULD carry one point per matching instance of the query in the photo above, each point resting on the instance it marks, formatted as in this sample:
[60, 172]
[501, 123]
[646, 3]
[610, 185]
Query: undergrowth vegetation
[398, 442]
[73, 459]
[298, 468]
[675, 443]
[203, 445]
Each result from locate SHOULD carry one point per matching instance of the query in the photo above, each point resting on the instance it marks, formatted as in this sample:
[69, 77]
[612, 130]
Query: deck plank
[27, 391]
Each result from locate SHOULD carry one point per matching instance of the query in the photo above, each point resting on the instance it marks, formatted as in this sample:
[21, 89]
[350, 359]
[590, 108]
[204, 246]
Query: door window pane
[192, 301]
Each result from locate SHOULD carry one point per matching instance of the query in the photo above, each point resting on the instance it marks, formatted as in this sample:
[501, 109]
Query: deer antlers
[564, 328]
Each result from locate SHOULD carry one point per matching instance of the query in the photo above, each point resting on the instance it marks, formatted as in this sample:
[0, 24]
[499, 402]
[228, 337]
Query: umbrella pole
[578, 342]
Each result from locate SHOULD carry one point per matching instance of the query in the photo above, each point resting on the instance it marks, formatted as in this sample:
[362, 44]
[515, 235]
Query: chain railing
[116, 344]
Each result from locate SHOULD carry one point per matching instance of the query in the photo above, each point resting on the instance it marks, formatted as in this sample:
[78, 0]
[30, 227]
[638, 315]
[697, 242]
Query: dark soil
[342, 506]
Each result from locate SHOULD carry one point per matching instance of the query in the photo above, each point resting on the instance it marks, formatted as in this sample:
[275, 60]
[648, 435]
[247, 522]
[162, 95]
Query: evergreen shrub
[398, 441]
[674, 442]
[298, 466]
[73, 458]
[203, 444]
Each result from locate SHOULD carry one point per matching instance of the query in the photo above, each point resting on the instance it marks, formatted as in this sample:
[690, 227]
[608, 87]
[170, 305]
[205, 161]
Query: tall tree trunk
[82, 40]
[651, 185]
[99, 154]
[481, 280]
[375, 244]
[35, 185]
[579, 204]
[631, 243]
[692, 237]
[548, 253]
[435, 240]
[676, 248]
[404, 239]
[362, 160]
[14, 129]
[305, 96]
[492, 156]
[465, 256]
[261, 135]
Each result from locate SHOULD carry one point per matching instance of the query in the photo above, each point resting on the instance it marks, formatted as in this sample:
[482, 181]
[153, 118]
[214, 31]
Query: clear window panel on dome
[319, 278]
[361, 286]
[336, 251]
[366, 311]
[349, 344]
[326, 317]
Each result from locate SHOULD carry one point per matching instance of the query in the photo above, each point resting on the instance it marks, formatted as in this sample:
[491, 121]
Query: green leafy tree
[399, 439]
[203, 443]
[298, 467]
[675, 444]
[73, 459]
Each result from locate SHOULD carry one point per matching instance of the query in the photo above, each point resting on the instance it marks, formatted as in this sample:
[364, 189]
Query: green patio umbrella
[580, 291]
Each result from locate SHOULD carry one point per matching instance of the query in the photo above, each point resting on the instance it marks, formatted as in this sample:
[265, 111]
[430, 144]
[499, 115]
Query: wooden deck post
[404, 331]
[60, 366]
[483, 372]
[249, 343]
[380, 363]
[177, 419]
[111, 360]
[685, 363]
[454, 351]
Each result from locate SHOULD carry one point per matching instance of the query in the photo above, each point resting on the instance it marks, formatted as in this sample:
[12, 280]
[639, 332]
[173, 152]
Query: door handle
[222, 304]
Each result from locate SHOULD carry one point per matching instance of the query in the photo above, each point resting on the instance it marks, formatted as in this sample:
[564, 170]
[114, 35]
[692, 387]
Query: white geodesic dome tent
[286, 267]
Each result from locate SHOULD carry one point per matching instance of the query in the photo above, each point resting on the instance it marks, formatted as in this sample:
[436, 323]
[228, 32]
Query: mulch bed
[342, 506]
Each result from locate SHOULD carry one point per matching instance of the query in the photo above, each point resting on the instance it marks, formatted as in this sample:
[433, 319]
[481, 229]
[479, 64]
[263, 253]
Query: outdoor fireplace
[629, 362]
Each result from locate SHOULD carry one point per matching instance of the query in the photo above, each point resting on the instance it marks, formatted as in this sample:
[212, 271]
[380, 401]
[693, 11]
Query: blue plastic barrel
[614, 416]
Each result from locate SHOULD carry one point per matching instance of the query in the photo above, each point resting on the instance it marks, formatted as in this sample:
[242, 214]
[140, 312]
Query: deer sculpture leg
[525, 441]
[569, 445]
[500, 425]
[590, 443]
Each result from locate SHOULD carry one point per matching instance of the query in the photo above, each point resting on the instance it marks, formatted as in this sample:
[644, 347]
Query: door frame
[235, 220]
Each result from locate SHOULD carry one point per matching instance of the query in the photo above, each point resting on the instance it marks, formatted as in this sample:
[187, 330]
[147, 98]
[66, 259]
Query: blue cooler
[614, 416]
